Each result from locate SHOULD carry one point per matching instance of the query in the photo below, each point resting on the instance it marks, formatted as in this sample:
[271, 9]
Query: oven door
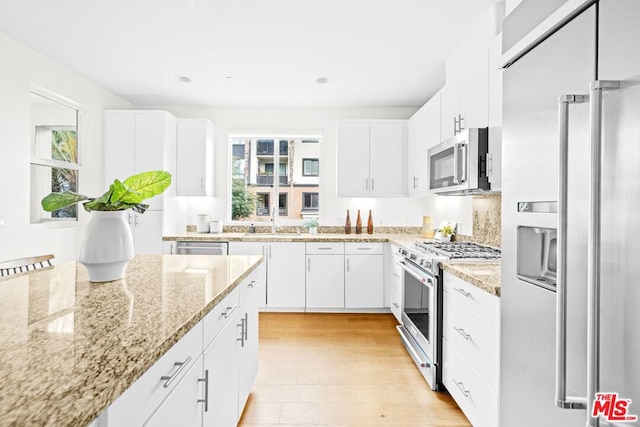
[419, 317]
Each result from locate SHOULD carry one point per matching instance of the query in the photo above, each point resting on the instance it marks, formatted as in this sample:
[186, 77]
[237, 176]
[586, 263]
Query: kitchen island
[70, 347]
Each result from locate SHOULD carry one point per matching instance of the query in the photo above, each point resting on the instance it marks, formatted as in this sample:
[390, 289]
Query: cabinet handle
[206, 390]
[246, 326]
[348, 266]
[270, 248]
[372, 184]
[463, 333]
[324, 249]
[241, 324]
[461, 291]
[364, 249]
[460, 385]
[252, 284]
[415, 182]
[130, 218]
[396, 275]
[168, 379]
[366, 184]
[308, 264]
[395, 304]
[229, 312]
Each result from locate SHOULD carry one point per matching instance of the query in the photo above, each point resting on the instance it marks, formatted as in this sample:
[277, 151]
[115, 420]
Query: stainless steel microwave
[458, 166]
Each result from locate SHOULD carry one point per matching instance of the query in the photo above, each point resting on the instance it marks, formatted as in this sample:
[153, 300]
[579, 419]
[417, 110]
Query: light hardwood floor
[340, 370]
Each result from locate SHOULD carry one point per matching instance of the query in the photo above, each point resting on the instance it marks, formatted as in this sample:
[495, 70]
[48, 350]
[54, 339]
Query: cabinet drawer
[139, 401]
[317, 248]
[483, 302]
[254, 281]
[215, 320]
[473, 395]
[474, 337]
[363, 248]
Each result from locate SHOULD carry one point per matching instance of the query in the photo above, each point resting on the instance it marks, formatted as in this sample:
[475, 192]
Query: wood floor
[340, 370]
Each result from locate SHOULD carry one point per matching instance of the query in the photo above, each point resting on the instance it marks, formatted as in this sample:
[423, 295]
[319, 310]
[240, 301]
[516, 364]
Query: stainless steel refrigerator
[570, 325]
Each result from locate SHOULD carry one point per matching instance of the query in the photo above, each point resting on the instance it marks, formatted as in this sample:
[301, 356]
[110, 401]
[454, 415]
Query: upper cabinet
[494, 158]
[194, 157]
[138, 141]
[424, 132]
[371, 158]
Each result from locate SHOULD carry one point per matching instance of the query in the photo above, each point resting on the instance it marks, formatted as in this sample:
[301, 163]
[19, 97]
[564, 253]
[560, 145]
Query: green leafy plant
[447, 230]
[128, 194]
[243, 201]
[311, 222]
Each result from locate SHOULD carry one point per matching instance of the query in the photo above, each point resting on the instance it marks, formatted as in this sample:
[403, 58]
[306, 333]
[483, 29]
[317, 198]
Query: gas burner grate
[460, 250]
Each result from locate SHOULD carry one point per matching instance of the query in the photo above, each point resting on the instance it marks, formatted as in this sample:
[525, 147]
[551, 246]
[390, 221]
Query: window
[54, 155]
[310, 201]
[258, 175]
[310, 167]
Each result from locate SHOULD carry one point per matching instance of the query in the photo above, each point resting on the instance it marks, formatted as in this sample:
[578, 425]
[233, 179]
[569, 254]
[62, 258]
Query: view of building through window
[256, 179]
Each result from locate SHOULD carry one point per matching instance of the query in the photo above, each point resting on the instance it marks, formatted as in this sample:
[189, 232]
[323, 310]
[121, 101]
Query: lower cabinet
[396, 298]
[364, 275]
[471, 349]
[325, 275]
[206, 377]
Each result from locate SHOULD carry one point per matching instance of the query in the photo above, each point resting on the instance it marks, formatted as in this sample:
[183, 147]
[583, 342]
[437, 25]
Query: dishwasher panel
[201, 248]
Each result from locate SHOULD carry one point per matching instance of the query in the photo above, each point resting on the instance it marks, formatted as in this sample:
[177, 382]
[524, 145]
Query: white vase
[313, 230]
[106, 246]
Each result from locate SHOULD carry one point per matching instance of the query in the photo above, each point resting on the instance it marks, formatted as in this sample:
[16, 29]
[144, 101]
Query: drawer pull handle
[395, 304]
[364, 249]
[168, 379]
[463, 292]
[463, 333]
[206, 390]
[396, 275]
[460, 385]
[252, 284]
[324, 249]
[242, 336]
[229, 312]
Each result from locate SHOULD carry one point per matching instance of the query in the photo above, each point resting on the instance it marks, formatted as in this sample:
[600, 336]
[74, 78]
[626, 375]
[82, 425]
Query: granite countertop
[69, 347]
[397, 238]
[485, 274]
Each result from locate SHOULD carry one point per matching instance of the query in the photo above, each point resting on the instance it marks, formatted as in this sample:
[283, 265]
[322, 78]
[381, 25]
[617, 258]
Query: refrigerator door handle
[594, 244]
[562, 401]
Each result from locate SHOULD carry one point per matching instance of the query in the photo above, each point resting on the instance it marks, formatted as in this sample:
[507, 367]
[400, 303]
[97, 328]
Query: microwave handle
[463, 174]
[456, 172]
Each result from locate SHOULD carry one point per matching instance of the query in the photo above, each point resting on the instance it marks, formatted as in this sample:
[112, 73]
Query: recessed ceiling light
[183, 79]
[322, 80]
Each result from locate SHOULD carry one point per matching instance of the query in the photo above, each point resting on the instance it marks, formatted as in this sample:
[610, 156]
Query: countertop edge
[461, 269]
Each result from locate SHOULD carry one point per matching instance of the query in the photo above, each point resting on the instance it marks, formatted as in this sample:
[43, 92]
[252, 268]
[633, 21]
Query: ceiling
[250, 52]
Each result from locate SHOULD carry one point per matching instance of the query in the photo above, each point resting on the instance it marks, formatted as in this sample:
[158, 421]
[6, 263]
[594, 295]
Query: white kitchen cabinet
[138, 141]
[286, 275]
[248, 357]
[371, 158]
[471, 349]
[221, 365]
[144, 229]
[285, 271]
[254, 248]
[494, 157]
[182, 407]
[364, 275]
[325, 275]
[424, 133]
[195, 157]
[396, 283]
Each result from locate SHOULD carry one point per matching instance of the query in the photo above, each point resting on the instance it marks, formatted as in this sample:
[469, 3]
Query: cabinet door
[149, 147]
[474, 94]
[364, 281]
[325, 281]
[119, 141]
[286, 275]
[494, 160]
[424, 133]
[248, 359]
[182, 408]
[353, 159]
[221, 363]
[147, 232]
[387, 149]
[194, 157]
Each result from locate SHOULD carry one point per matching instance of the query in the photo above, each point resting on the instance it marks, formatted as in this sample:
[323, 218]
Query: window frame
[310, 193]
[304, 160]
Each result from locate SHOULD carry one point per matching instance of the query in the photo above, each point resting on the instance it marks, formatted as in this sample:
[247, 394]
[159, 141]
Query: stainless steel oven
[420, 314]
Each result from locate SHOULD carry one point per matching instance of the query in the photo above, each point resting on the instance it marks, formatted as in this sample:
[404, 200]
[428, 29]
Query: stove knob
[412, 256]
[428, 264]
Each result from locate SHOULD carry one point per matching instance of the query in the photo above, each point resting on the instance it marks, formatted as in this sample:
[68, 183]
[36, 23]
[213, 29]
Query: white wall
[395, 211]
[22, 67]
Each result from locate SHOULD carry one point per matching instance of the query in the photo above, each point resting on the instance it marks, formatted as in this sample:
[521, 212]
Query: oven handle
[412, 352]
[427, 281]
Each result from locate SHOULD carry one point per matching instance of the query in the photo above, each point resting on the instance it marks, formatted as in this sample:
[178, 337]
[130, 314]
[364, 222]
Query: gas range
[426, 254]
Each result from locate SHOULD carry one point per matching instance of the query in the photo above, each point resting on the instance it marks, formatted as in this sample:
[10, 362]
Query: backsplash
[487, 223]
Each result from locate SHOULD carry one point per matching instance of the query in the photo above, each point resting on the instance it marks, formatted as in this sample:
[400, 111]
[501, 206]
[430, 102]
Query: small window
[310, 167]
[54, 162]
[282, 202]
[310, 201]
[262, 204]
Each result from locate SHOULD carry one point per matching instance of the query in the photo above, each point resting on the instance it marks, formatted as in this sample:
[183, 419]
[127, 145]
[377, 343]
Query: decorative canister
[427, 227]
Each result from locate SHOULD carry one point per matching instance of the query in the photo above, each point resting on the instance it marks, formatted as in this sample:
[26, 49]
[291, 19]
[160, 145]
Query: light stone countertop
[485, 275]
[69, 347]
[396, 238]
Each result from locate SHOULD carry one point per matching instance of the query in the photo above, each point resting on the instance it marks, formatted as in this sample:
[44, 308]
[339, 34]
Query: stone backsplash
[487, 223]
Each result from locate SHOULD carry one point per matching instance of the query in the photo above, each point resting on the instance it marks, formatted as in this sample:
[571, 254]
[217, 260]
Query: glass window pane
[45, 180]
[310, 167]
